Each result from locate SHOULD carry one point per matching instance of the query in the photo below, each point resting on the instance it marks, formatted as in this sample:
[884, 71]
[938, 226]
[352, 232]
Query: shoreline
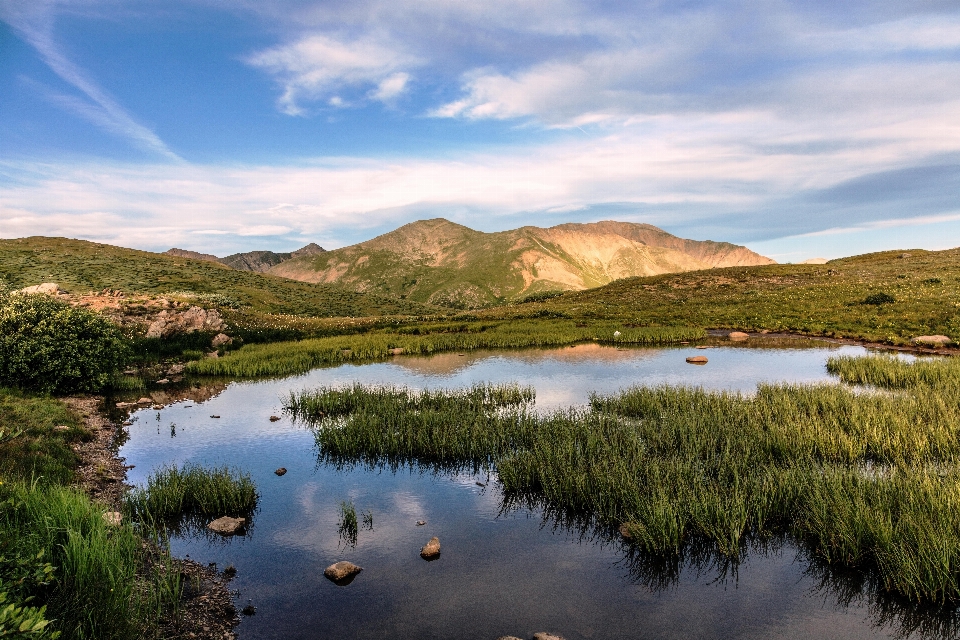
[207, 610]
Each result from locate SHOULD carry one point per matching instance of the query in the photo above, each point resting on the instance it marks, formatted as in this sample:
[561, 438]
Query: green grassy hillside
[442, 263]
[833, 299]
[79, 267]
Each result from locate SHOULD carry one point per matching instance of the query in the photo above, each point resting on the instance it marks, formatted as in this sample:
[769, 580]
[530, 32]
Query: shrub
[47, 345]
[879, 298]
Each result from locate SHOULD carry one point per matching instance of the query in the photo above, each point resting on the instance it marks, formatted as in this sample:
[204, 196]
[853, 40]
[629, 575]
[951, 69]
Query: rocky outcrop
[48, 288]
[170, 323]
[220, 340]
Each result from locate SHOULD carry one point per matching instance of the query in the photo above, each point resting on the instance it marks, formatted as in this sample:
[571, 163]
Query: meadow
[863, 479]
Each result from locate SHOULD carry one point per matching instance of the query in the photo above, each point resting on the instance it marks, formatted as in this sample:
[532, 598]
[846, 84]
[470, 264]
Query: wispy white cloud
[319, 66]
[34, 21]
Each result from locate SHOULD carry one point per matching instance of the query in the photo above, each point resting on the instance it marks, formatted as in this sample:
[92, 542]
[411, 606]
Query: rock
[130, 372]
[214, 416]
[169, 323]
[274, 418]
[175, 370]
[702, 346]
[933, 341]
[157, 407]
[697, 359]
[113, 518]
[625, 531]
[395, 352]
[48, 288]
[227, 526]
[125, 405]
[127, 424]
[61, 427]
[738, 335]
[163, 381]
[145, 401]
[431, 549]
[281, 471]
[213, 354]
[420, 523]
[341, 571]
[480, 484]
[543, 635]
[249, 610]
[220, 339]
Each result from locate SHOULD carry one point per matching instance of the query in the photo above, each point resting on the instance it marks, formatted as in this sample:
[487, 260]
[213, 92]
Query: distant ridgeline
[259, 261]
[442, 263]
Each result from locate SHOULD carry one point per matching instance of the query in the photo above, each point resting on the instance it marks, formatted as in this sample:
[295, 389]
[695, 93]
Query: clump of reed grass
[348, 527]
[192, 494]
[863, 480]
[283, 358]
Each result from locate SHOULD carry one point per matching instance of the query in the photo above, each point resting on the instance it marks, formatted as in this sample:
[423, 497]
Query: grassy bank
[863, 480]
[298, 357]
[843, 298]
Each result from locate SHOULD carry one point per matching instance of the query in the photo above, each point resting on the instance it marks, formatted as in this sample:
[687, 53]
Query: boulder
[145, 401]
[697, 359]
[220, 339]
[175, 370]
[341, 571]
[169, 323]
[738, 335]
[543, 635]
[932, 341]
[48, 288]
[227, 526]
[113, 518]
[431, 550]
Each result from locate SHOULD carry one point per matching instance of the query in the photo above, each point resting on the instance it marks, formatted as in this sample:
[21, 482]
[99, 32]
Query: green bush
[47, 345]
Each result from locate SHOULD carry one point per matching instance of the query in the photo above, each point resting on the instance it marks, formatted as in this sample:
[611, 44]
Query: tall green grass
[863, 480]
[298, 357]
[192, 495]
[92, 592]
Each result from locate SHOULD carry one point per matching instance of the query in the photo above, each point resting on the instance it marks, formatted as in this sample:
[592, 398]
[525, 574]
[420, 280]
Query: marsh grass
[192, 495]
[298, 357]
[348, 527]
[863, 480]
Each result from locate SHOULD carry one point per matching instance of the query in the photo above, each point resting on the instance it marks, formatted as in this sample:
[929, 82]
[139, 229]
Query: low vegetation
[863, 480]
[298, 357]
[192, 495]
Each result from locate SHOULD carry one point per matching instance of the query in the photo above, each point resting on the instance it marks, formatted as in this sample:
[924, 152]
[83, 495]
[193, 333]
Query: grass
[886, 297]
[192, 494]
[862, 480]
[298, 357]
[41, 452]
[349, 527]
[79, 266]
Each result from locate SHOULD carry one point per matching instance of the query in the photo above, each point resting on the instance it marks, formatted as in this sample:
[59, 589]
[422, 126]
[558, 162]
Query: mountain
[79, 266]
[259, 261]
[443, 263]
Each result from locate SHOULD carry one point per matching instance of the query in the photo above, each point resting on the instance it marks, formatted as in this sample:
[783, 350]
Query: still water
[500, 572]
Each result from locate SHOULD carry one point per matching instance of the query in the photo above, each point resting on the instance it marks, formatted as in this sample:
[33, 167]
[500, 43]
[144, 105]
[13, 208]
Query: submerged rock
[227, 526]
[341, 571]
[697, 359]
[431, 550]
[420, 523]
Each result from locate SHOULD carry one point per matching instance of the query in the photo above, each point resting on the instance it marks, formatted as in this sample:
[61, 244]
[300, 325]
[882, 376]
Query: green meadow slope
[79, 266]
[843, 298]
[442, 263]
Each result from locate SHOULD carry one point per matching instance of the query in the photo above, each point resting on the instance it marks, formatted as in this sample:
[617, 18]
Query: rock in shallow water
[697, 359]
[341, 571]
[227, 526]
[431, 550]
[281, 471]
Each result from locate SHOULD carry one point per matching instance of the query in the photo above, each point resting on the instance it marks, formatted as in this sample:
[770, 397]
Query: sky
[800, 129]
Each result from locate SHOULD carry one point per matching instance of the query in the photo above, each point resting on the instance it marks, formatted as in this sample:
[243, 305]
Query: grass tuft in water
[348, 528]
[192, 494]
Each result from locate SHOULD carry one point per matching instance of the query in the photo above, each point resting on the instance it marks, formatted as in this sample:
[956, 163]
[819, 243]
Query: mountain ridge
[443, 263]
[258, 261]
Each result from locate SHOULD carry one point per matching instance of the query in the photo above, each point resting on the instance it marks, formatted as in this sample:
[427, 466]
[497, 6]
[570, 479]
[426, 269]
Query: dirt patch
[207, 610]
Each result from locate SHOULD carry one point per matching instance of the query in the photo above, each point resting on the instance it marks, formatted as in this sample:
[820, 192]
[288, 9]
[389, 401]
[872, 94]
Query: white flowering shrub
[48, 345]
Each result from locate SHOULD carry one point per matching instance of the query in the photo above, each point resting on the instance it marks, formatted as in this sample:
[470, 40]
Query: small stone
[145, 401]
[157, 407]
[281, 471]
[230, 571]
[163, 381]
[738, 335]
[124, 405]
[61, 427]
[213, 354]
[508, 638]
[175, 370]
[480, 484]
[431, 550]
[220, 339]
[214, 416]
[702, 346]
[625, 531]
[127, 424]
[113, 518]
[395, 352]
[249, 610]
[341, 571]
[227, 526]
[420, 523]
[932, 341]
[274, 418]
[130, 372]
[543, 635]
[697, 359]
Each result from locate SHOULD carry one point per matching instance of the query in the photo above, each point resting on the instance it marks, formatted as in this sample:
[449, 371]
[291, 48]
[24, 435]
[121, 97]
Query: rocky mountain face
[443, 263]
[259, 261]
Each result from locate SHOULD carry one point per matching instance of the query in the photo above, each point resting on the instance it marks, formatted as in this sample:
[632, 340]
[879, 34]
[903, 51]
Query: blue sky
[800, 129]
